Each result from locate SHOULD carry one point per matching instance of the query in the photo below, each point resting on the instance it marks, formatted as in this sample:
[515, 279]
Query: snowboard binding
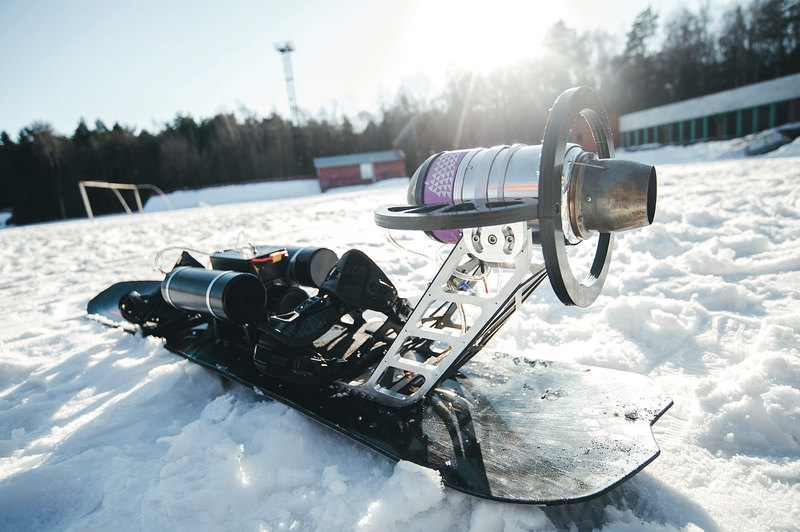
[254, 298]
[328, 334]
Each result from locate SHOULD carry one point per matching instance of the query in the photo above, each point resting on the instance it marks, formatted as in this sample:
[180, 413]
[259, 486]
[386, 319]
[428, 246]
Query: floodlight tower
[286, 49]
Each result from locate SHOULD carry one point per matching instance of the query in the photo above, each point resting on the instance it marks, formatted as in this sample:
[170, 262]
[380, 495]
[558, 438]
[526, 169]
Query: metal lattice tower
[286, 49]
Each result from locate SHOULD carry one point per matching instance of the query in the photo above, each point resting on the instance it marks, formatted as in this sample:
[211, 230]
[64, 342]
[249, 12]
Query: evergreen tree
[636, 85]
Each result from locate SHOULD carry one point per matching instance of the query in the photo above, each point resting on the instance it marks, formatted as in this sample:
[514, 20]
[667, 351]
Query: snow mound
[225, 194]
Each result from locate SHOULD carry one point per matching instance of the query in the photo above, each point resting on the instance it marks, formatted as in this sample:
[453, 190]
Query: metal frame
[423, 354]
[116, 187]
[396, 379]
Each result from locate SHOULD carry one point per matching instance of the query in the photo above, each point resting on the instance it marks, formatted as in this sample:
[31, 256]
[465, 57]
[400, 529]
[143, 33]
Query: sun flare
[481, 36]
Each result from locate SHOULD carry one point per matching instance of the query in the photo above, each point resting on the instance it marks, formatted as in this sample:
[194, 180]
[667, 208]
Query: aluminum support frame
[430, 346]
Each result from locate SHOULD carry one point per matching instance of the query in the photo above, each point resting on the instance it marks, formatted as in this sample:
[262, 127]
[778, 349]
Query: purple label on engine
[440, 177]
[439, 187]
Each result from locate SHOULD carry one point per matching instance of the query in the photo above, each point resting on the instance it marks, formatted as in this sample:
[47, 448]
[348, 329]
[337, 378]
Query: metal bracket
[431, 345]
[496, 243]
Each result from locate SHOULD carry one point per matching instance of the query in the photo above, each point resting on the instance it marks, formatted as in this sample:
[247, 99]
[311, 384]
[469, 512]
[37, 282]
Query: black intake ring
[444, 216]
[575, 102]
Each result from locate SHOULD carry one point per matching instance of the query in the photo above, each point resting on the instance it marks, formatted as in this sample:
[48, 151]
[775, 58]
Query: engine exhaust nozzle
[610, 195]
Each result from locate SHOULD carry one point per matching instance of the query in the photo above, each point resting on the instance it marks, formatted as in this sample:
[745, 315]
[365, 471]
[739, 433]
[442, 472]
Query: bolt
[476, 238]
[588, 199]
[510, 239]
[492, 239]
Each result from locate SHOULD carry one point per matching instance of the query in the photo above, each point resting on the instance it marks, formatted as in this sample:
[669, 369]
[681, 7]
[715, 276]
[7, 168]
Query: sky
[141, 63]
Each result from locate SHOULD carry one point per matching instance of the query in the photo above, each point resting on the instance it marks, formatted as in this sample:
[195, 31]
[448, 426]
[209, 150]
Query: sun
[484, 36]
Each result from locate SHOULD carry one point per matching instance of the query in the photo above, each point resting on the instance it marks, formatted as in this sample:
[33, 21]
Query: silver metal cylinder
[606, 195]
[490, 174]
[226, 295]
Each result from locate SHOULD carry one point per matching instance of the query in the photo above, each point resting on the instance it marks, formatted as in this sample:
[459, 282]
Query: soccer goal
[117, 188]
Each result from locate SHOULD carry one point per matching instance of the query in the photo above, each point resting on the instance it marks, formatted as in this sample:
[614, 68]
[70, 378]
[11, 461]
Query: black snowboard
[524, 431]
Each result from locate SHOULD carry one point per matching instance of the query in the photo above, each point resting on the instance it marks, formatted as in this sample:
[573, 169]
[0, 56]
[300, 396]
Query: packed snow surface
[221, 195]
[102, 430]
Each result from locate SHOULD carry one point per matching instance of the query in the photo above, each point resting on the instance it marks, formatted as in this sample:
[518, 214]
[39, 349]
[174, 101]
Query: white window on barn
[367, 171]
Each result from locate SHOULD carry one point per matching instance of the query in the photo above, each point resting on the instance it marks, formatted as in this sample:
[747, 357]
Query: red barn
[359, 168]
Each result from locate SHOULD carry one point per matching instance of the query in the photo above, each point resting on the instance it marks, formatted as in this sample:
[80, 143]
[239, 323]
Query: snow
[703, 151]
[221, 195]
[105, 430]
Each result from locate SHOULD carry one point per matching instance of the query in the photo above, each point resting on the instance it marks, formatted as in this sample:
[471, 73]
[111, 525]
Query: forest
[691, 53]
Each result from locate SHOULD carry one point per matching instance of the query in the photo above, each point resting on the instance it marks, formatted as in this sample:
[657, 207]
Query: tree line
[690, 54]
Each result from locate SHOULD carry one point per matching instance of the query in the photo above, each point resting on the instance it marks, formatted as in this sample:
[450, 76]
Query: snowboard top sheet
[505, 428]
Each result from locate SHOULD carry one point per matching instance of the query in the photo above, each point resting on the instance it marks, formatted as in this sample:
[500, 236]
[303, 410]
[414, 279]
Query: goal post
[116, 188]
